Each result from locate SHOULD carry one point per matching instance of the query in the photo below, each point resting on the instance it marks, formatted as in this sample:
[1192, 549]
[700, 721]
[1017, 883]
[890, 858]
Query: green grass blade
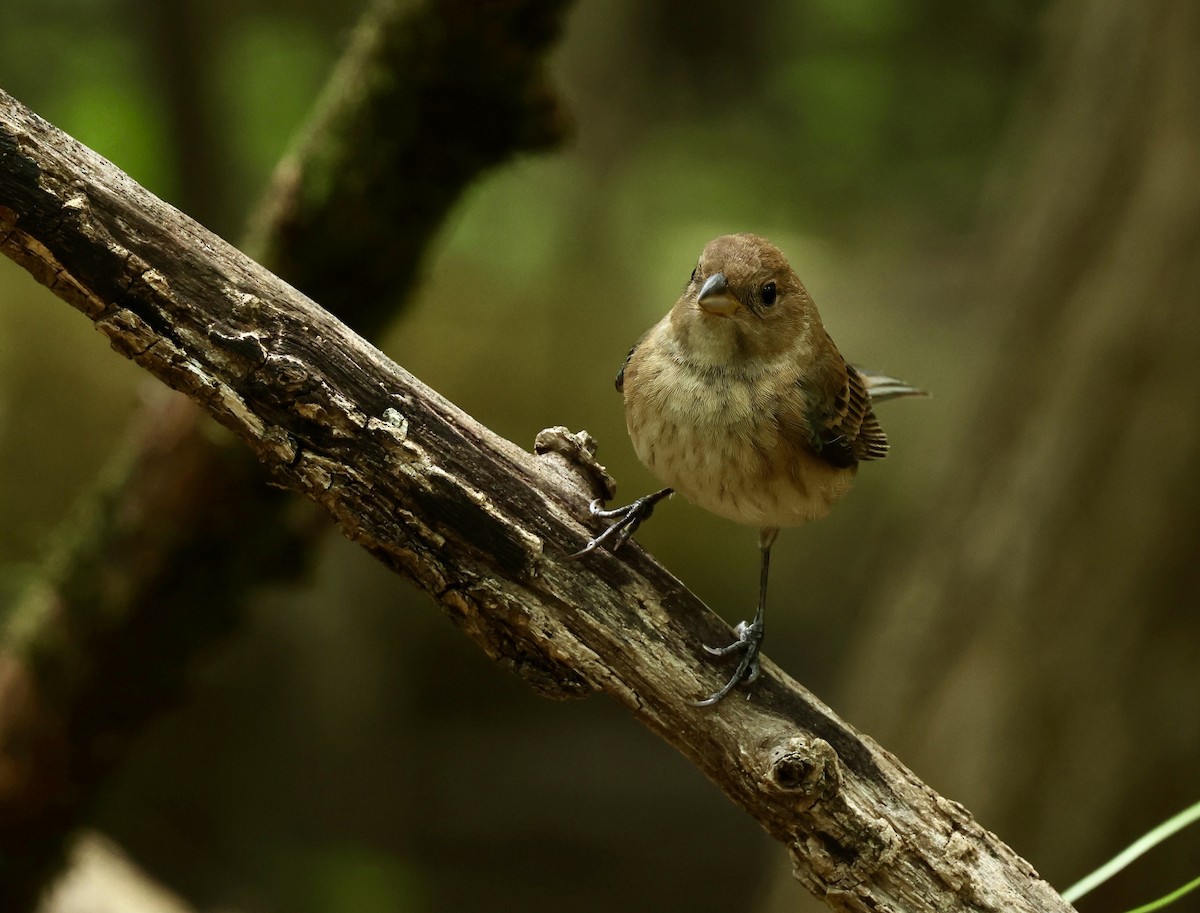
[1133, 851]
[1170, 898]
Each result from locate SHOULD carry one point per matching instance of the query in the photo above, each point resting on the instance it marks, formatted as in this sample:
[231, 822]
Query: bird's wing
[841, 427]
[620, 381]
[881, 387]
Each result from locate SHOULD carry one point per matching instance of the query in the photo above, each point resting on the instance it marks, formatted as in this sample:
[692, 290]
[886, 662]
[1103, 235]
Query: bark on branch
[484, 527]
[184, 517]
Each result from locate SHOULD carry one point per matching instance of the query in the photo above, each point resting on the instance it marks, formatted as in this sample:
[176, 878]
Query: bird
[739, 401]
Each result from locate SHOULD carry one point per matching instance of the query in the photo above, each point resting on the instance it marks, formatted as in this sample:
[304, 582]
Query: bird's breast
[733, 444]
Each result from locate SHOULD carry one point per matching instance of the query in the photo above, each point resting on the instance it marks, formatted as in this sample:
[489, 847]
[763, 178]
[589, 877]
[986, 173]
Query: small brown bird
[739, 400]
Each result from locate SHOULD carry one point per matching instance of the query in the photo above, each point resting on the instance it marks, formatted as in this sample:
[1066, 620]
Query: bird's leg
[627, 520]
[749, 636]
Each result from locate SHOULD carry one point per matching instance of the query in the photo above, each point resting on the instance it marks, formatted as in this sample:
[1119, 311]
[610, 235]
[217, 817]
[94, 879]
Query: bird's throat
[710, 342]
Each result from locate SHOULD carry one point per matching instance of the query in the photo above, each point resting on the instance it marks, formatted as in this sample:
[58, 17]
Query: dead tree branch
[184, 519]
[484, 527]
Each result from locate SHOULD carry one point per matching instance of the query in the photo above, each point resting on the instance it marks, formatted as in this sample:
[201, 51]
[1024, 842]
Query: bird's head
[743, 301]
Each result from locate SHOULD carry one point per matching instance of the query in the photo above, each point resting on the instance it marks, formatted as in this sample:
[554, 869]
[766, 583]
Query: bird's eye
[767, 294]
[695, 273]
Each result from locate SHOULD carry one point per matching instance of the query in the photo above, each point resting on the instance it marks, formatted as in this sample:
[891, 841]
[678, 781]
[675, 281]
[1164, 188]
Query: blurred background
[997, 201]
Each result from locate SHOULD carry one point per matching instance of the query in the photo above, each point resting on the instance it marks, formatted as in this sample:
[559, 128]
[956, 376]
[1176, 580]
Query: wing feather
[620, 381]
[842, 428]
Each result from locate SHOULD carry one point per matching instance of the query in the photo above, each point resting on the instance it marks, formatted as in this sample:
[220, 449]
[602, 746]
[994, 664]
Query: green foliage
[266, 74]
[120, 117]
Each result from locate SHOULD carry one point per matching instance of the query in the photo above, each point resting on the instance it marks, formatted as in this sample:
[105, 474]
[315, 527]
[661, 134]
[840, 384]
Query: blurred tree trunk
[1036, 652]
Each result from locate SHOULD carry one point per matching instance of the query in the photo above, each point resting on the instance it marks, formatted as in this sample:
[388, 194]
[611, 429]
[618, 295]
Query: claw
[628, 519]
[748, 643]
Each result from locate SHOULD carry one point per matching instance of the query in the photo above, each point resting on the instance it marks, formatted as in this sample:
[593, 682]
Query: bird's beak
[715, 297]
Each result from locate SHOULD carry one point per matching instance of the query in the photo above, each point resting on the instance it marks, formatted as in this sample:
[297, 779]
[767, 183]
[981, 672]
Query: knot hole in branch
[805, 769]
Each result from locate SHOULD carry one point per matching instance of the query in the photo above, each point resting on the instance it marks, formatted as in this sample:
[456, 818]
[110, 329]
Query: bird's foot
[627, 520]
[748, 643]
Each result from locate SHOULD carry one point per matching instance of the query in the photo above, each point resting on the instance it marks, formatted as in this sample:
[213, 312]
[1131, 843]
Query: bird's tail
[882, 387]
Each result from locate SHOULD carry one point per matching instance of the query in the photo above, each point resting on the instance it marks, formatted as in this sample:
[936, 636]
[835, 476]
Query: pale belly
[728, 453]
